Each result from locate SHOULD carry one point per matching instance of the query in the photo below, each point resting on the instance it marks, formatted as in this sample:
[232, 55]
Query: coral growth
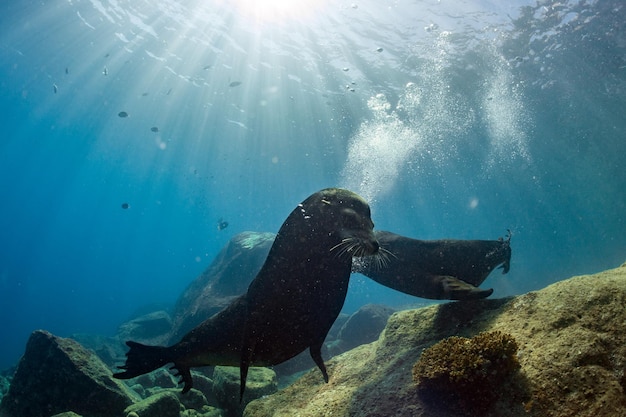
[468, 372]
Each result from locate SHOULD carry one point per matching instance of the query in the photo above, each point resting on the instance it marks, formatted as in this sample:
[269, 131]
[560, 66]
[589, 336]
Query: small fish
[55, 88]
[154, 129]
[234, 84]
[125, 206]
[105, 71]
[67, 70]
[122, 114]
[222, 224]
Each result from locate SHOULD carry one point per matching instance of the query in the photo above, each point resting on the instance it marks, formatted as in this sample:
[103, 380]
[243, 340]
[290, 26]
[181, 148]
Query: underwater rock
[364, 326]
[4, 386]
[228, 276]
[204, 384]
[162, 404]
[572, 350]
[67, 414]
[56, 375]
[159, 379]
[151, 328]
[109, 349]
[191, 400]
[226, 385]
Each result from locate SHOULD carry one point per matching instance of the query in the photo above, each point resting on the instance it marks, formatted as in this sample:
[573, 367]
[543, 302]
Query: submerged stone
[572, 347]
[57, 375]
[260, 382]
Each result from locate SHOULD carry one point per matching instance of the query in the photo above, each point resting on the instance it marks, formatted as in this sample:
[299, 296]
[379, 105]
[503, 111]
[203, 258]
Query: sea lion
[290, 305]
[436, 269]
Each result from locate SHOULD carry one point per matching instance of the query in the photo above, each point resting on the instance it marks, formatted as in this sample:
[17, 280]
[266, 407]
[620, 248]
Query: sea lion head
[345, 218]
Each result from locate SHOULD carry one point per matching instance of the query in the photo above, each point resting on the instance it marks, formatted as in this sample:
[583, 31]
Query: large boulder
[227, 277]
[572, 350]
[162, 404]
[364, 325]
[111, 350]
[56, 375]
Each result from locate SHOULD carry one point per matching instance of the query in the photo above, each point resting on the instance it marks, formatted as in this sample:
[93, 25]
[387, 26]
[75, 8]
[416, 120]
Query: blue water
[457, 120]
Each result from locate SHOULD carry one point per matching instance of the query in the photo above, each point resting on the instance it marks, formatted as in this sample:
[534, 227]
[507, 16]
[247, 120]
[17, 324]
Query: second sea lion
[437, 269]
[289, 306]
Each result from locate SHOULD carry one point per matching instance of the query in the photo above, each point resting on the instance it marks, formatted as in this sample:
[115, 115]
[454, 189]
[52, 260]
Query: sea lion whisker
[343, 242]
[358, 251]
[382, 258]
[346, 246]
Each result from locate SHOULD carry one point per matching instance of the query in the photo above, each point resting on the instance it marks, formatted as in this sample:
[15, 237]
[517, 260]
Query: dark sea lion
[289, 306]
[436, 269]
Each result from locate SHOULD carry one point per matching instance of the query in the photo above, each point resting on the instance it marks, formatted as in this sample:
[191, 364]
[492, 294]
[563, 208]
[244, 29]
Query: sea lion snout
[372, 246]
[360, 244]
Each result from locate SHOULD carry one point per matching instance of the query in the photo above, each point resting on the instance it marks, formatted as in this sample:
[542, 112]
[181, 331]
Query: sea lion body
[436, 269]
[289, 306]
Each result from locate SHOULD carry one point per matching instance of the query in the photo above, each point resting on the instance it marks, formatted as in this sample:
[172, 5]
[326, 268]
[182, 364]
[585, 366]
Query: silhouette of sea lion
[289, 306]
[436, 269]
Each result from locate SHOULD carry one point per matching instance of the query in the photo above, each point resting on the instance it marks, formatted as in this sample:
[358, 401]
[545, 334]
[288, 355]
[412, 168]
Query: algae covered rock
[260, 382]
[160, 378]
[162, 404]
[470, 372]
[56, 375]
[571, 339]
[67, 414]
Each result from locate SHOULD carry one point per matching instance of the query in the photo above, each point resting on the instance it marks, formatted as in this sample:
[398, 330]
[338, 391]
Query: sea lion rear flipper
[455, 289]
[185, 376]
[141, 359]
[316, 354]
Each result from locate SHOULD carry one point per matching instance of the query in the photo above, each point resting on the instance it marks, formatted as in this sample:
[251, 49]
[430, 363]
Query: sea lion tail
[141, 359]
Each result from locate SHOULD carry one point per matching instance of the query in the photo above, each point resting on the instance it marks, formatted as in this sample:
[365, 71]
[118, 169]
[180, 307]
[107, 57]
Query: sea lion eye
[351, 219]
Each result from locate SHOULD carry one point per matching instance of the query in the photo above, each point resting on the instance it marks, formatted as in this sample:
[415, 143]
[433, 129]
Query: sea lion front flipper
[455, 289]
[243, 375]
[316, 354]
[244, 363]
[184, 373]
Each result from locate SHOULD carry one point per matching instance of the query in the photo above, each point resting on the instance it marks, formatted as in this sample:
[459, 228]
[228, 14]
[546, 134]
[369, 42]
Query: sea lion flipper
[141, 359]
[456, 289]
[243, 375]
[247, 351]
[316, 354]
[184, 373]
